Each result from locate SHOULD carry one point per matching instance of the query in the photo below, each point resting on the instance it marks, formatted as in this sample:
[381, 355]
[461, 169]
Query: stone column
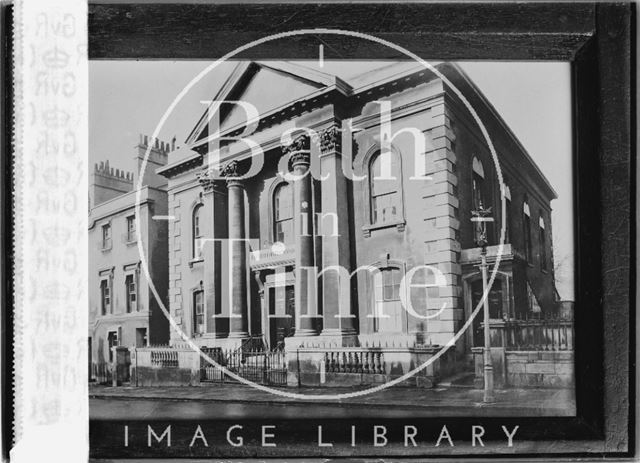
[305, 285]
[338, 317]
[215, 203]
[239, 316]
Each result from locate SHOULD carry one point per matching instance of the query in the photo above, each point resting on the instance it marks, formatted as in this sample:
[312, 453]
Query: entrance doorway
[496, 308]
[282, 314]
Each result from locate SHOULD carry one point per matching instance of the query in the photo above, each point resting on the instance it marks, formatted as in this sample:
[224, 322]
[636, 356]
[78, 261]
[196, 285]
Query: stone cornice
[181, 166]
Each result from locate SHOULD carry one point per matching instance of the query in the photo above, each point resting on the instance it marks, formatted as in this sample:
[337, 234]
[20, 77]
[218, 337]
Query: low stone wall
[361, 367]
[184, 371]
[540, 369]
[158, 376]
[527, 368]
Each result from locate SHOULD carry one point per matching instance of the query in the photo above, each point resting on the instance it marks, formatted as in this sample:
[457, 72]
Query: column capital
[300, 143]
[209, 180]
[231, 171]
[298, 151]
[331, 139]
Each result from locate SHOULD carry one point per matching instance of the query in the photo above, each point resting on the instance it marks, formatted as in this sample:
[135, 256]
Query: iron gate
[258, 365]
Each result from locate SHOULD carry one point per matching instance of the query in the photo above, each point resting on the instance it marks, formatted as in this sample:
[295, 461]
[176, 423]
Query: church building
[336, 210]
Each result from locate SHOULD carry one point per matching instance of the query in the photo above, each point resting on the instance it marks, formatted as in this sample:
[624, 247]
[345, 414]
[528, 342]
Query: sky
[129, 98]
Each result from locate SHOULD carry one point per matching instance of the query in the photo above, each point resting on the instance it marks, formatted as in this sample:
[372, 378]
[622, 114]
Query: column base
[305, 332]
[227, 343]
[338, 338]
[298, 341]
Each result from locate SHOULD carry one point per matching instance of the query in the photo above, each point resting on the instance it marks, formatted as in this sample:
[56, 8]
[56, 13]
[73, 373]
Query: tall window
[197, 231]
[543, 244]
[424, 293]
[526, 220]
[385, 183]
[141, 337]
[198, 312]
[388, 308]
[106, 236]
[112, 339]
[478, 184]
[283, 213]
[105, 297]
[131, 293]
[507, 217]
[131, 228]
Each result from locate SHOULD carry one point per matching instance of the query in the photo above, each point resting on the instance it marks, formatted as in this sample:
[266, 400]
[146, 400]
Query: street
[134, 409]
[238, 401]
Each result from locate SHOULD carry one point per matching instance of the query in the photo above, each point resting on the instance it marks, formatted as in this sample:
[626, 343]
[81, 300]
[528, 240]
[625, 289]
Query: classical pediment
[266, 86]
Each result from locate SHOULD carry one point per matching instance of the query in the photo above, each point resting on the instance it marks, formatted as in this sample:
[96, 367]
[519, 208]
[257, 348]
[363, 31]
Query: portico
[282, 267]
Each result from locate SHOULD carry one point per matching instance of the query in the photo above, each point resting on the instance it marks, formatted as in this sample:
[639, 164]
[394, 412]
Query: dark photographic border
[6, 229]
[598, 39]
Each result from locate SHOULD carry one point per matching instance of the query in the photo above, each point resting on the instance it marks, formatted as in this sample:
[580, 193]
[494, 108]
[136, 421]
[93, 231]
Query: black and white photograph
[324, 231]
[348, 242]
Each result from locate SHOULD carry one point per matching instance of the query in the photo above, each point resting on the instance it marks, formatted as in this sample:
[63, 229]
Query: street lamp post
[480, 217]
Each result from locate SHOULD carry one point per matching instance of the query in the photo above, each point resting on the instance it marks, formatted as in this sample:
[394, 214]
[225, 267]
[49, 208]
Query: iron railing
[101, 373]
[256, 365]
[545, 334]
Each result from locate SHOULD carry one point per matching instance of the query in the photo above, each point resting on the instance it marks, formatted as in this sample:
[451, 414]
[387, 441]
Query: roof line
[502, 122]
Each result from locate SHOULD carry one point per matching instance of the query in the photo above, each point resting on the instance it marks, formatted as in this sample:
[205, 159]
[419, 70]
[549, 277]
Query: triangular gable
[265, 85]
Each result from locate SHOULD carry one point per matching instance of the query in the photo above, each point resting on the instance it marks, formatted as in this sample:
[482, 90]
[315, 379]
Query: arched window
[385, 182]
[526, 221]
[478, 184]
[196, 231]
[543, 244]
[283, 213]
[387, 305]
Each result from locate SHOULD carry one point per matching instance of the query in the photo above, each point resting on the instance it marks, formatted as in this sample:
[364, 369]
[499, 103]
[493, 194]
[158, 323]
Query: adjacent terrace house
[122, 309]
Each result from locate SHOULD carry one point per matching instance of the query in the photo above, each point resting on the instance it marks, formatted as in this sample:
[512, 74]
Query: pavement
[241, 399]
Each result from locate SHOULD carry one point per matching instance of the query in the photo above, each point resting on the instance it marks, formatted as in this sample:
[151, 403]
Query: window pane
[392, 323]
[395, 294]
[198, 308]
[388, 292]
[283, 202]
[384, 184]
[284, 231]
[283, 213]
[385, 208]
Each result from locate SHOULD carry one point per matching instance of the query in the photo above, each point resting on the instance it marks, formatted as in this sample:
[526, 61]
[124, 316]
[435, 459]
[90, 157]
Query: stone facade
[122, 308]
[334, 222]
